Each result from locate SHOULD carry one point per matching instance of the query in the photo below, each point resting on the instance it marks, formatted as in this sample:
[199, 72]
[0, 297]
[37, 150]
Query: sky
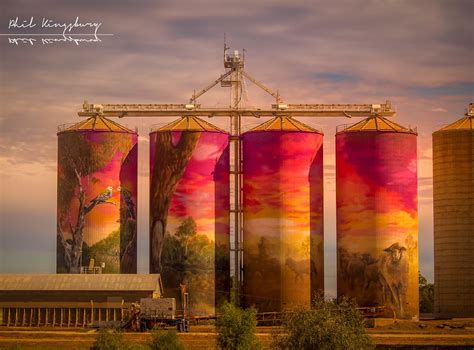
[418, 54]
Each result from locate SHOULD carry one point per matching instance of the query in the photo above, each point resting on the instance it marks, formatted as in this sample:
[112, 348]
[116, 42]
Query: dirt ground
[435, 333]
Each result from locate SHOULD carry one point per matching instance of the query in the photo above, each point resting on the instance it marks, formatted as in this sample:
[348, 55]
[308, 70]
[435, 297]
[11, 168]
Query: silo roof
[465, 123]
[190, 123]
[98, 123]
[284, 124]
[377, 123]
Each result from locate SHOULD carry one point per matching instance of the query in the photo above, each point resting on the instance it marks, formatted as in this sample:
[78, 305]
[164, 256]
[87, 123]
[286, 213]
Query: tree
[169, 165]
[185, 232]
[426, 294]
[236, 328]
[78, 157]
[327, 325]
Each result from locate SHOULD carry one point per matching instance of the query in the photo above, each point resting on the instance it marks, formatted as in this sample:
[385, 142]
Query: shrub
[328, 325]
[109, 339]
[165, 340]
[236, 328]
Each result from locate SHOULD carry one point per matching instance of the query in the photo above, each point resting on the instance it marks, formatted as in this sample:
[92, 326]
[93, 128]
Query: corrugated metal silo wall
[97, 196]
[189, 215]
[377, 220]
[283, 218]
[453, 190]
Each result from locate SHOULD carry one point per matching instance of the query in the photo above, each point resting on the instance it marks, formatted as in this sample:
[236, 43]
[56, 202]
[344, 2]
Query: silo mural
[453, 193]
[283, 214]
[97, 196]
[377, 216]
[189, 211]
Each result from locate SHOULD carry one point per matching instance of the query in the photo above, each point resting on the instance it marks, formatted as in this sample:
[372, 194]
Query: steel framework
[233, 78]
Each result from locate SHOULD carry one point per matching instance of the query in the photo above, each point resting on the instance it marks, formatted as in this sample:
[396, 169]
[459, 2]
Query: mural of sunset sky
[283, 219]
[377, 219]
[194, 250]
[418, 54]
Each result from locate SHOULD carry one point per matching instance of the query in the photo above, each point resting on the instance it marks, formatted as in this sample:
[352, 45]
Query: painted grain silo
[377, 216]
[453, 191]
[282, 214]
[97, 196]
[189, 211]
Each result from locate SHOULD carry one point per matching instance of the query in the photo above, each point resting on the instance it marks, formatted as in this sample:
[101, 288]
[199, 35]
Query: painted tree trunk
[170, 163]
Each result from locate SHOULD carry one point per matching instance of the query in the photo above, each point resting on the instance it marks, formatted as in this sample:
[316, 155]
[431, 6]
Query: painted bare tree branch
[73, 249]
[169, 165]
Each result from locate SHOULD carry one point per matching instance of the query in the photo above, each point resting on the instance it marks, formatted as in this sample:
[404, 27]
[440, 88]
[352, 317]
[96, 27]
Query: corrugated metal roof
[98, 123]
[465, 123]
[377, 124]
[283, 124]
[80, 282]
[189, 124]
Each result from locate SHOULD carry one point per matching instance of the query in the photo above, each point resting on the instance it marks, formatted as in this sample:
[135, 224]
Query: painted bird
[127, 198]
[103, 196]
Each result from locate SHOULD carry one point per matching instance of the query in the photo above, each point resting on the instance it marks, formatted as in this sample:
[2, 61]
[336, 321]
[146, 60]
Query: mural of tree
[128, 233]
[185, 232]
[78, 159]
[188, 258]
[169, 166]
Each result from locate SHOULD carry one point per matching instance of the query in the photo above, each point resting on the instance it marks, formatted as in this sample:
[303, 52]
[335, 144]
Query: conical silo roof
[98, 123]
[284, 124]
[190, 123]
[377, 123]
[465, 123]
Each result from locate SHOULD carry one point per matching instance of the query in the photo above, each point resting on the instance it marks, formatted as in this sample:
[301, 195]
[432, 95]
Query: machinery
[151, 313]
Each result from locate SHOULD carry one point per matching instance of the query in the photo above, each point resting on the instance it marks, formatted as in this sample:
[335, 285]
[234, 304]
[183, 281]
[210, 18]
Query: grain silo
[189, 211]
[377, 216]
[453, 192]
[97, 198]
[282, 214]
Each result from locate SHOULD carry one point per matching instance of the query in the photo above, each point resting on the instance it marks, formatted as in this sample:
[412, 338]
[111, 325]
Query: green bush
[109, 339]
[236, 328]
[112, 339]
[328, 325]
[165, 340]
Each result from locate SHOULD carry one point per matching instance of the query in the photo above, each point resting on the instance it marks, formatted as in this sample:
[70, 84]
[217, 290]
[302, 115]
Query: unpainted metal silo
[282, 214]
[189, 211]
[97, 197]
[453, 192]
[377, 216]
